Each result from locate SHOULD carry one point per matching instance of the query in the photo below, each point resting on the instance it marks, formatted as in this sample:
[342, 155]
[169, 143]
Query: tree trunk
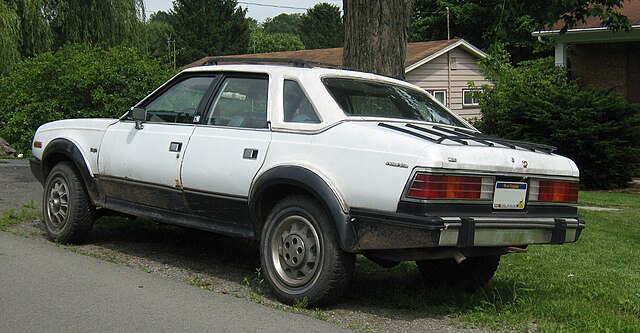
[375, 35]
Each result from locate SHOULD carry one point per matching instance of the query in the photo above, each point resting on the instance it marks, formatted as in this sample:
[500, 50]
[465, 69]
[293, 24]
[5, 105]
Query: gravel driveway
[17, 185]
[230, 266]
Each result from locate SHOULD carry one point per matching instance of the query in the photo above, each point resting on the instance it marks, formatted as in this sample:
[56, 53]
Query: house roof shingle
[630, 9]
[333, 56]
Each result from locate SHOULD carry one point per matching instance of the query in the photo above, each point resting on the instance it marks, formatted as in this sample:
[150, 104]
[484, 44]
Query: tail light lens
[554, 191]
[428, 186]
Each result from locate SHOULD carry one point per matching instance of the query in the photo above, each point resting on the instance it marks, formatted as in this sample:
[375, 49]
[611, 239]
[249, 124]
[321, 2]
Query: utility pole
[448, 29]
[171, 47]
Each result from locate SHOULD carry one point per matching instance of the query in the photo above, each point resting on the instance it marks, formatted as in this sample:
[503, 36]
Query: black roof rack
[439, 134]
[295, 62]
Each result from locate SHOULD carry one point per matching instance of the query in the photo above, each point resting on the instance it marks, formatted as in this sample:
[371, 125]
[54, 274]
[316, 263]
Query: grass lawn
[589, 286]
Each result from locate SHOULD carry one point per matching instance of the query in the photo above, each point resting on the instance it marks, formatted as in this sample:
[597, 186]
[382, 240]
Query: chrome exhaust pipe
[515, 249]
[459, 257]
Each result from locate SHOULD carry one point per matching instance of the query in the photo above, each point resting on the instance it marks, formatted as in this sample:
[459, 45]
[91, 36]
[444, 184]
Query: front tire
[300, 255]
[68, 212]
[471, 275]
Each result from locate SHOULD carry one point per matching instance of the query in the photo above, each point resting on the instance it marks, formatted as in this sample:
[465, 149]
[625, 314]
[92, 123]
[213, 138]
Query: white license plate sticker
[509, 195]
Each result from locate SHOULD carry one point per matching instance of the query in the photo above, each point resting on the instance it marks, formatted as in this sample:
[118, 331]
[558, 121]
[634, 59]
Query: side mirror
[138, 115]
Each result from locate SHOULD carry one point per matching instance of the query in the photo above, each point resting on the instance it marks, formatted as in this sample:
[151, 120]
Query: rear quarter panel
[352, 158]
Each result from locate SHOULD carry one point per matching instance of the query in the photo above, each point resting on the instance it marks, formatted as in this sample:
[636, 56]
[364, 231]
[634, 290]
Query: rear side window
[297, 107]
[365, 98]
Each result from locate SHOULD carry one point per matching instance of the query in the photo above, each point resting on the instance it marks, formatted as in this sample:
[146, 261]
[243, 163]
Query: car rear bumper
[377, 231]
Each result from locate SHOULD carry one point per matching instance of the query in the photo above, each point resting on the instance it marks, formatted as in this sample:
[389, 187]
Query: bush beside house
[537, 102]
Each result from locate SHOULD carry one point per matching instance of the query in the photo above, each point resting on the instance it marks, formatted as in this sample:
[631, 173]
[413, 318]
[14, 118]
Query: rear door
[227, 149]
[143, 165]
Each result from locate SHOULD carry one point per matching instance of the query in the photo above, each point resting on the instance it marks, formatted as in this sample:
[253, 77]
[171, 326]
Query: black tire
[300, 255]
[68, 212]
[471, 275]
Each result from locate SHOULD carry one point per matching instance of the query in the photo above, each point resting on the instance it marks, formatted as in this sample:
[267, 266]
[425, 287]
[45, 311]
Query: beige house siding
[434, 76]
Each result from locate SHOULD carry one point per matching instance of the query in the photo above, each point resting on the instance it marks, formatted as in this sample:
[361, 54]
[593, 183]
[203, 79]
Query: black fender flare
[72, 153]
[311, 183]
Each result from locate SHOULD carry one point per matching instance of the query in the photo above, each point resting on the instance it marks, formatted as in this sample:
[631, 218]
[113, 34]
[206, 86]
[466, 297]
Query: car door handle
[175, 147]
[250, 154]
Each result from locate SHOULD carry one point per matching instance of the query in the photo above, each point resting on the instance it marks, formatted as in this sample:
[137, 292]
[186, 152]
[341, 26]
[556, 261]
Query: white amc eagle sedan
[316, 164]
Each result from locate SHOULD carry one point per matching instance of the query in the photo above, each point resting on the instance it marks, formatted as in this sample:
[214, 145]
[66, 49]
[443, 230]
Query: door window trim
[219, 84]
[176, 80]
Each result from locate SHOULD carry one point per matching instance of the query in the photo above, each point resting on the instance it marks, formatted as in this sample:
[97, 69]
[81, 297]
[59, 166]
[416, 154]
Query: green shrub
[73, 82]
[537, 102]
[261, 42]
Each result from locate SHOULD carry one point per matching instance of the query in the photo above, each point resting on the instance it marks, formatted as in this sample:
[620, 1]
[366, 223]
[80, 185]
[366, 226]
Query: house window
[470, 97]
[439, 95]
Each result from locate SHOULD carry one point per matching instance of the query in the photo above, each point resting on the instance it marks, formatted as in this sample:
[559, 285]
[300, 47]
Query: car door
[227, 149]
[142, 165]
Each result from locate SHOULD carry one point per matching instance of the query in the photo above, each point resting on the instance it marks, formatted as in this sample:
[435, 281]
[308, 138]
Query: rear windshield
[376, 99]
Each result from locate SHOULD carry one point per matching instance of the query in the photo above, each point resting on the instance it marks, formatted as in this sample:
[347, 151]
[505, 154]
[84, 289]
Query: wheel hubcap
[295, 251]
[58, 203]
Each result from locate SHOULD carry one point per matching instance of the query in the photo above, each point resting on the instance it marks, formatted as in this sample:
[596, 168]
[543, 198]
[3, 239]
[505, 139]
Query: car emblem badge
[397, 165]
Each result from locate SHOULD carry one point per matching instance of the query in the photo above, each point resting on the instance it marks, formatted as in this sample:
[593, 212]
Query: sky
[258, 9]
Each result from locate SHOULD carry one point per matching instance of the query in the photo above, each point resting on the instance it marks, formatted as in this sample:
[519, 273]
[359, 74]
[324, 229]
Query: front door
[143, 165]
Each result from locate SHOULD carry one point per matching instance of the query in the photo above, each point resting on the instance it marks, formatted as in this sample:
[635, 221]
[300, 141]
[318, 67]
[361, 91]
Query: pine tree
[208, 28]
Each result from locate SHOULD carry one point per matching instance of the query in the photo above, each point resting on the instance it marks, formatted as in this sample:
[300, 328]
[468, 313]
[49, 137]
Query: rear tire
[300, 255]
[68, 212]
[471, 275]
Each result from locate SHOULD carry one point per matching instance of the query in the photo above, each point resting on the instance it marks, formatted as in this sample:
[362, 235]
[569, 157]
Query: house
[598, 57]
[444, 68]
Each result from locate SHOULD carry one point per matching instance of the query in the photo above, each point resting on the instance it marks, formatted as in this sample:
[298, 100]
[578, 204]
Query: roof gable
[476, 52]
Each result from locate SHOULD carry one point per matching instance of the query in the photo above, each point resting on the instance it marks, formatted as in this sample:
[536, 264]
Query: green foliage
[74, 82]
[321, 27]
[36, 34]
[253, 25]
[276, 42]
[510, 23]
[536, 102]
[96, 22]
[160, 33]
[30, 27]
[208, 28]
[283, 23]
[9, 37]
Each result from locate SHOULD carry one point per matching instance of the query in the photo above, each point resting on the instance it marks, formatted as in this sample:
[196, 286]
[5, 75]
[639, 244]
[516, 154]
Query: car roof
[282, 70]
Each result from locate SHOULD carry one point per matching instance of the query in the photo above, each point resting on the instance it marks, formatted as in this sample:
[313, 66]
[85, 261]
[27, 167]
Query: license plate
[509, 195]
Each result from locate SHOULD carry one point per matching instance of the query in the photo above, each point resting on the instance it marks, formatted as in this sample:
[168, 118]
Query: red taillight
[558, 191]
[426, 186]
